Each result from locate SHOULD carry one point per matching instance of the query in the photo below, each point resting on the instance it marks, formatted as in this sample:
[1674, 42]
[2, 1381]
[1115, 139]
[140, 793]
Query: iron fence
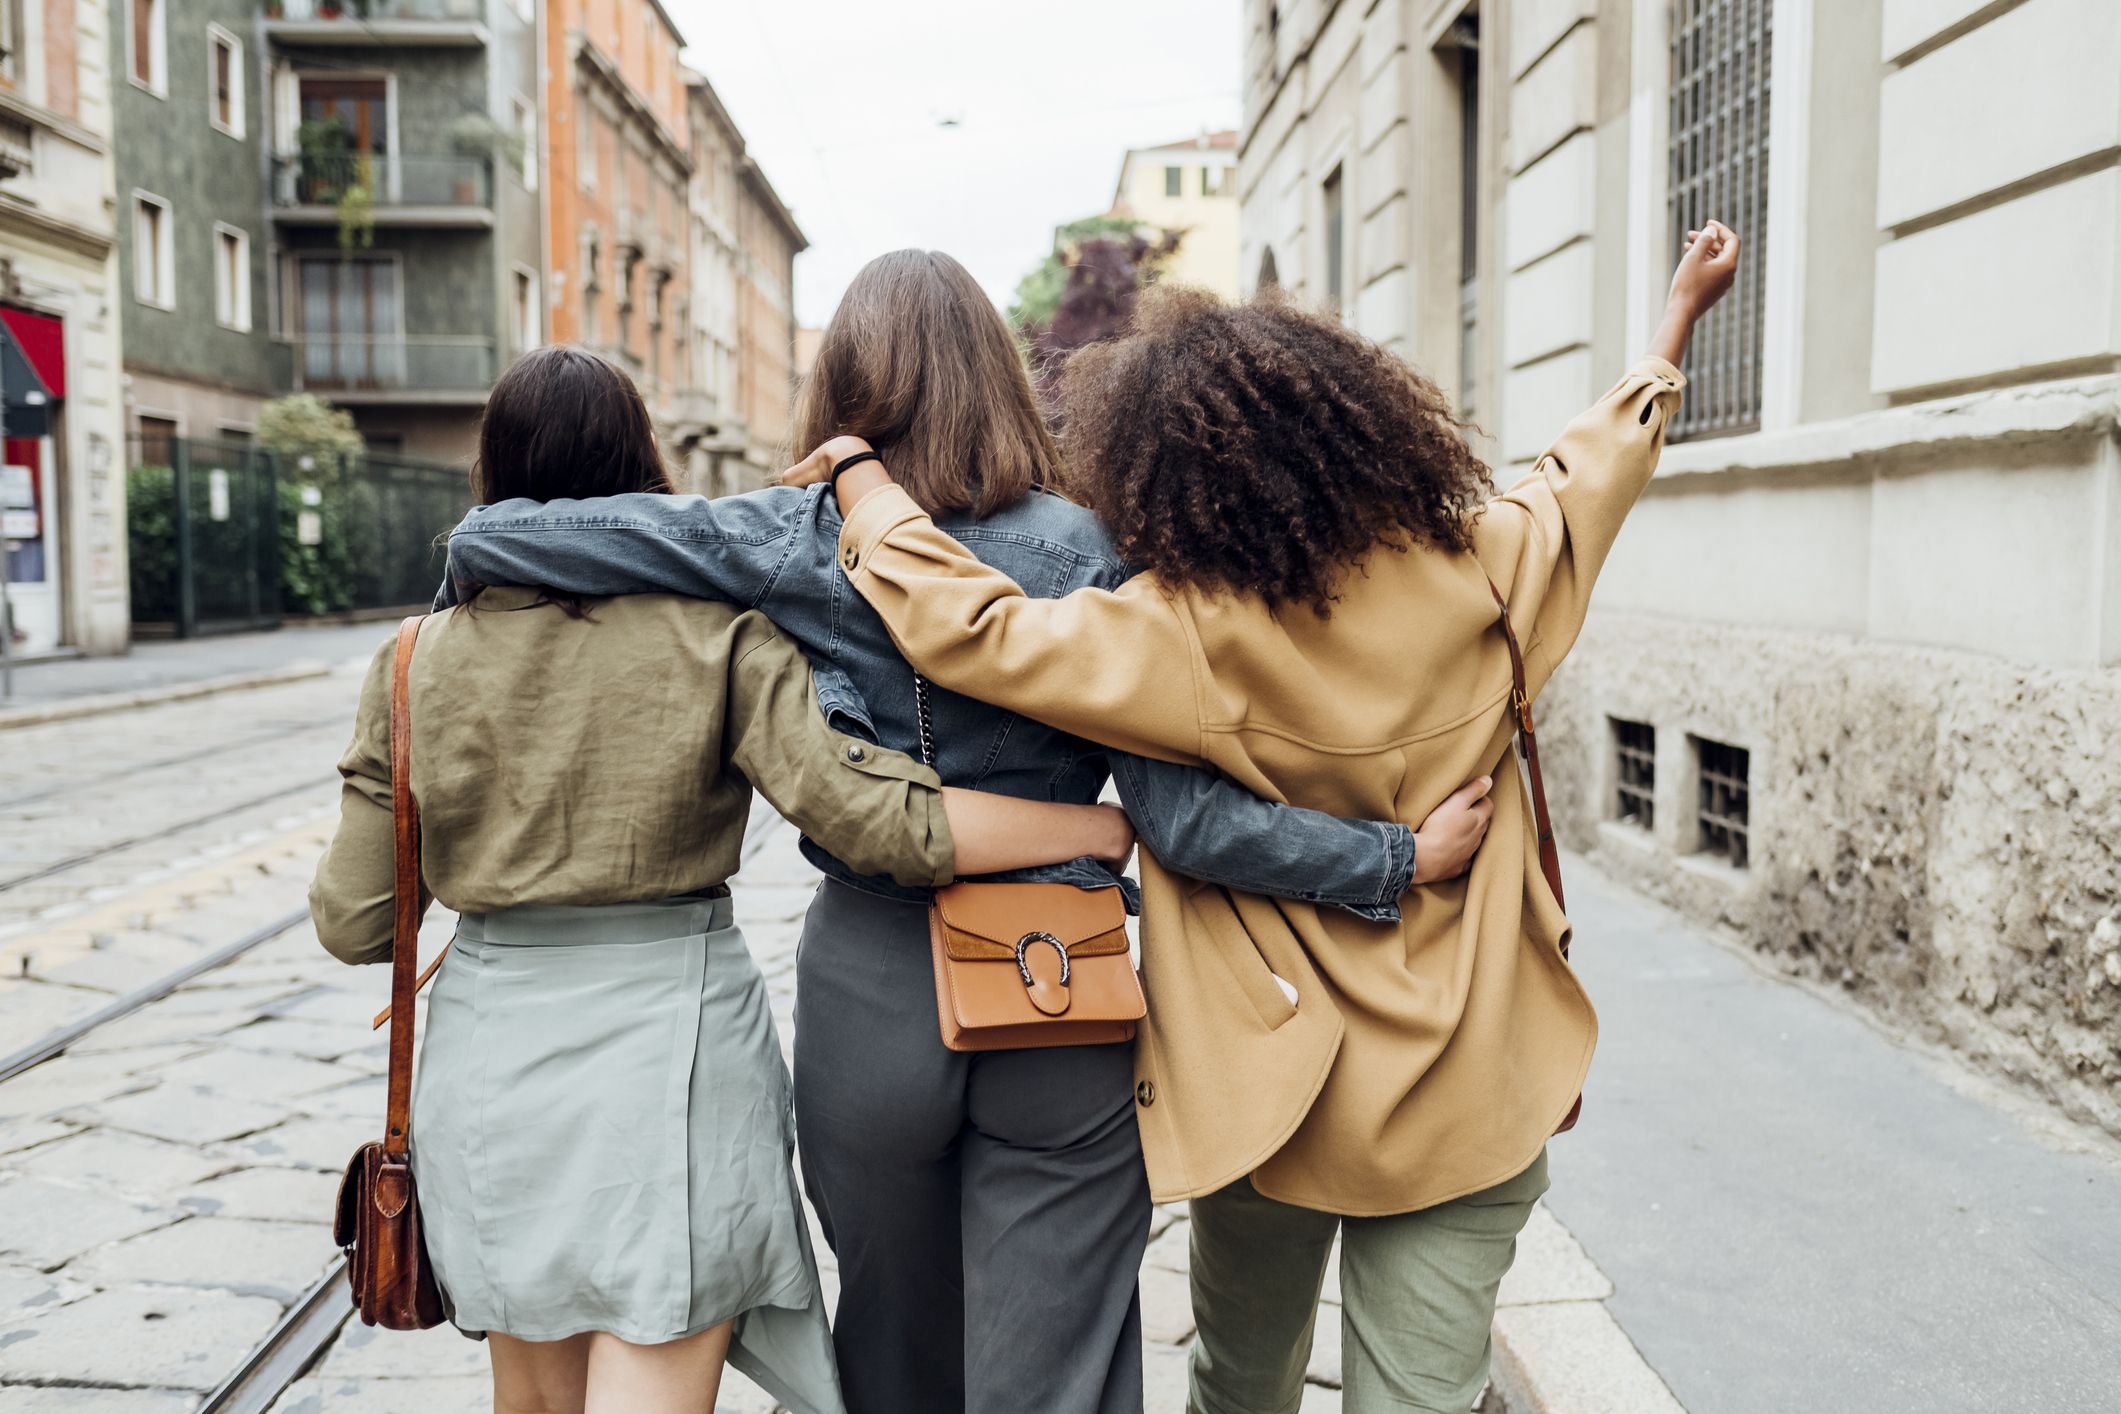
[226, 536]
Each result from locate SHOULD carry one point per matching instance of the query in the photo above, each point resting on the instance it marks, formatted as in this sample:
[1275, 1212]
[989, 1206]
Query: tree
[1038, 294]
[321, 506]
[1102, 277]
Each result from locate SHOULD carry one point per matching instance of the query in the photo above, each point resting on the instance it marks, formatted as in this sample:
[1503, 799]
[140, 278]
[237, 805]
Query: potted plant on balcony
[476, 135]
[357, 206]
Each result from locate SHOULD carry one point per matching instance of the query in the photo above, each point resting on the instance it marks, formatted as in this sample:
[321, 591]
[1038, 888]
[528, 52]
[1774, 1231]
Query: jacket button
[1144, 1093]
[857, 755]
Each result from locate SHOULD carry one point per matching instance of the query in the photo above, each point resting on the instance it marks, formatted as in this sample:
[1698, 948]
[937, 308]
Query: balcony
[374, 23]
[308, 189]
[390, 369]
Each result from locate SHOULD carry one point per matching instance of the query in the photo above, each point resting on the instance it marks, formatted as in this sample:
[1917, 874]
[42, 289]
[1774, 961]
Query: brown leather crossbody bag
[377, 1222]
[1019, 966]
[1536, 781]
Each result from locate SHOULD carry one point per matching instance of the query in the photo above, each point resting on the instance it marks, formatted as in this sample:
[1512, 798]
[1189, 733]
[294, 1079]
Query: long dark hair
[919, 361]
[563, 423]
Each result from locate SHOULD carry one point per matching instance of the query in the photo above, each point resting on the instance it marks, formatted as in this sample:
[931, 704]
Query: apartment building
[1850, 685]
[336, 200]
[768, 240]
[62, 489]
[1189, 187]
[618, 208]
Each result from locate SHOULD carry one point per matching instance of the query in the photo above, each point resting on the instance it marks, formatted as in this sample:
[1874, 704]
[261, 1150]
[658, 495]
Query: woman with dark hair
[989, 1210]
[1318, 617]
[601, 1119]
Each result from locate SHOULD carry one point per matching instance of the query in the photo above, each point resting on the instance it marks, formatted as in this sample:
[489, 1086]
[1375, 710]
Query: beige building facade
[743, 247]
[1189, 188]
[63, 490]
[1854, 674]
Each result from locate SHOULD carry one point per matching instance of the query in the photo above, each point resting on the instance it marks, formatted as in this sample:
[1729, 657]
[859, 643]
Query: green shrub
[151, 542]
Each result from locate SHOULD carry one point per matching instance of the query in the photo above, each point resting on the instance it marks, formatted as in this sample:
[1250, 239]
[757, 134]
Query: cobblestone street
[166, 1178]
[166, 1182]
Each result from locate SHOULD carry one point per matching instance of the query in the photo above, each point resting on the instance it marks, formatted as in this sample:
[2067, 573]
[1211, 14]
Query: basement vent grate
[1635, 772]
[1724, 815]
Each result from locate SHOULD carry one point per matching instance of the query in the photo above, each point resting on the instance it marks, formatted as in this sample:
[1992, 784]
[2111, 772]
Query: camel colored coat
[1421, 1060]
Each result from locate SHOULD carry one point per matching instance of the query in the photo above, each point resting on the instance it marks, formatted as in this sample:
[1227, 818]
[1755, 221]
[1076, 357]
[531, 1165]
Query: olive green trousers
[1417, 1298]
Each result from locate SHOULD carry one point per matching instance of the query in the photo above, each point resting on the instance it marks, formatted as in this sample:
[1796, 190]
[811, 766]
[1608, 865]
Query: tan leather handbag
[377, 1221]
[1019, 966]
[1536, 782]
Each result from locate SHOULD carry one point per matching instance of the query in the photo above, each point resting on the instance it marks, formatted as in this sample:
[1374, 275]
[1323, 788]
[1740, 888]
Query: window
[585, 143]
[154, 257]
[526, 130]
[352, 331]
[524, 309]
[1635, 772]
[1719, 169]
[158, 440]
[1468, 218]
[1174, 181]
[360, 107]
[10, 40]
[148, 45]
[1336, 240]
[231, 277]
[224, 81]
[1723, 815]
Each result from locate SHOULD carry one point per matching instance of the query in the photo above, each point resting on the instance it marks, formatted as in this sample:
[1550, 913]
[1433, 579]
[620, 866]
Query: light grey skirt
[602, 1139]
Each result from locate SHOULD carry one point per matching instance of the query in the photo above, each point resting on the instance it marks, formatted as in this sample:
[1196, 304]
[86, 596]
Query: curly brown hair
[1262, 448]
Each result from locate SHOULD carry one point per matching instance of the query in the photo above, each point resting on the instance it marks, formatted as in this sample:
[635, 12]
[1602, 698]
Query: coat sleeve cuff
[875, 516]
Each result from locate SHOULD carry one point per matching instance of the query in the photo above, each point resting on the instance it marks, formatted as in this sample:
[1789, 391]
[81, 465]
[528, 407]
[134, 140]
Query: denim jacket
[776, 550]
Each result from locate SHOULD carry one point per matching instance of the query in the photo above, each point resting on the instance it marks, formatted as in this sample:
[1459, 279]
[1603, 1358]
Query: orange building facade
[617, 150]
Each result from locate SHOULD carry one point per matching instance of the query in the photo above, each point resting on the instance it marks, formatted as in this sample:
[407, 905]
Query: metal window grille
[1720, 88]
[1723, 813]
[1635, 757]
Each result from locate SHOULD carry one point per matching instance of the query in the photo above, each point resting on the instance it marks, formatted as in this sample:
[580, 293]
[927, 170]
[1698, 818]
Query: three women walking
[1349, 1031]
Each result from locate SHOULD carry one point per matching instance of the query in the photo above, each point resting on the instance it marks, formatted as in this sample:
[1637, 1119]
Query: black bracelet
[854, 461]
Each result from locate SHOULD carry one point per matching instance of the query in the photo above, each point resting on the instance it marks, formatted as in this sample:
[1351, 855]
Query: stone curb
[1557, 1348]
[106, 702]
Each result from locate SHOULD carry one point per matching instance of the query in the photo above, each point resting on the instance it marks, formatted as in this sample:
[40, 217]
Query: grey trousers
[1417, 1297]
[988, 1211]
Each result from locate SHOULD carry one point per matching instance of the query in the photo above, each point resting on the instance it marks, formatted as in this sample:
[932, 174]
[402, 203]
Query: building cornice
[2061, 410]
[599, 65]
[17, 214]
[755, 176]
[16, 106]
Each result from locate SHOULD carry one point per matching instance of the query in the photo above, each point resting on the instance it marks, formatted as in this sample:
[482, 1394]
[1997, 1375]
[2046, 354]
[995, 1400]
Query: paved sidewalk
[1798, 1213]
[155, 664]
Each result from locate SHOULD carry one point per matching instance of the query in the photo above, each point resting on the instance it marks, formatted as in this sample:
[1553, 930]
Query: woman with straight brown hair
[989, 1211]
[600, 1124]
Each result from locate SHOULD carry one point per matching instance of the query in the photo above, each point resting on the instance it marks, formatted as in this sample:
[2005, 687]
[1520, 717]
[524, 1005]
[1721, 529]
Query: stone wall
[1937, 833]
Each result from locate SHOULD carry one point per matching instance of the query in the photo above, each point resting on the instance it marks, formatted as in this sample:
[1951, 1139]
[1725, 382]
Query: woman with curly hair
[1317, 617]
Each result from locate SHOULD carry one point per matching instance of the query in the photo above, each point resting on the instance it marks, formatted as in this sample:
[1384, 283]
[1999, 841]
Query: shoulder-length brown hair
[918, 361]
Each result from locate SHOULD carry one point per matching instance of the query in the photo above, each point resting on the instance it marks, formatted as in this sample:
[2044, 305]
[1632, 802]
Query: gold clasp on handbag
[1049, 997]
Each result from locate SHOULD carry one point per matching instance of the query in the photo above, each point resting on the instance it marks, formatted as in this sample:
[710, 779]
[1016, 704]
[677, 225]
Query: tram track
[137, 769]
[306, 1330]
[90, 856]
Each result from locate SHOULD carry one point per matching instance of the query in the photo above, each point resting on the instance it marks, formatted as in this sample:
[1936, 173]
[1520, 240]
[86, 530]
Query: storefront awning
[32, 370]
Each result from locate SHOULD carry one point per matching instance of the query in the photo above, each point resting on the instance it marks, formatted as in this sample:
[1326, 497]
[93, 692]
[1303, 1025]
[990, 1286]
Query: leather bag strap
[1528, 747]
[405, 932]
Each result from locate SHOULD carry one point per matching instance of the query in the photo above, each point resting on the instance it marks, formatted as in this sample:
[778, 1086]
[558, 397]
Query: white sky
[839, 100]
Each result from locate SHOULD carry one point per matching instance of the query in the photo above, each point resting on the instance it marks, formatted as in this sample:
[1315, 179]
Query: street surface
[1768, 1207]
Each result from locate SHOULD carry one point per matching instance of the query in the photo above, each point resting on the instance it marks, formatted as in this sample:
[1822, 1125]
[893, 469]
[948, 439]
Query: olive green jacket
[606, 759]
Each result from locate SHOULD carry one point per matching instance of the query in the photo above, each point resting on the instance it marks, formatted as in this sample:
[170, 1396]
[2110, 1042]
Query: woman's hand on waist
[1446, 842]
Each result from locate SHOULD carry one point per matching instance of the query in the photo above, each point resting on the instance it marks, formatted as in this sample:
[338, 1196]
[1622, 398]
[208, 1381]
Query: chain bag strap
[377, 1220]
